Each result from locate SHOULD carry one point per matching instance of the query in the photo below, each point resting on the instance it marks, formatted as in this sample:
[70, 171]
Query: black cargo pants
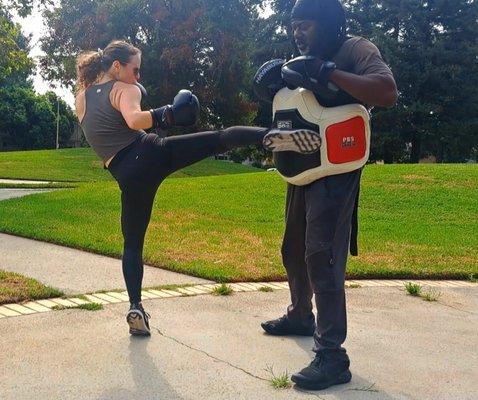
[314, 253]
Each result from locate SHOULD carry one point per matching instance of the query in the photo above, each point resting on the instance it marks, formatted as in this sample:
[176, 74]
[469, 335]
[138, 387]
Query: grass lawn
[15, 288]
[416, 221]
[82, 165]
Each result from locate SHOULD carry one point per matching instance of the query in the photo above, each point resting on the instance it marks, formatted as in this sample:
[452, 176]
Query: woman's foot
[138, 320]
[300, 140]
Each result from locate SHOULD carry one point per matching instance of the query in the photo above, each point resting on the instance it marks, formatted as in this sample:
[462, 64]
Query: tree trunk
[416, 149]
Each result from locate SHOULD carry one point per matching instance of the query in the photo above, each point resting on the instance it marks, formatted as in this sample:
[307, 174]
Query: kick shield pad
[344, 130]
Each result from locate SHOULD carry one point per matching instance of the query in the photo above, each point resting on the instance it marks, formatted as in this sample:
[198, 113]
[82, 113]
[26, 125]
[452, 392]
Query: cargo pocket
[322, 274]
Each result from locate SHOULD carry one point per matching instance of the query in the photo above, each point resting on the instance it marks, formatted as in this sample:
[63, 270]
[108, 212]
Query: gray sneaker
[302, 141]
[138, 320]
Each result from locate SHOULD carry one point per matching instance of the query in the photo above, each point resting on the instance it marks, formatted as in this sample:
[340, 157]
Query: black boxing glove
[183, 112]
[268, 80]
[310, 73]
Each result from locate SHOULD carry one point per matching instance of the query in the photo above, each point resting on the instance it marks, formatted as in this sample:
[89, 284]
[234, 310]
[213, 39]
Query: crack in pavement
[365, 389]
[209, 355]
[204, 352]
[308, 392]
[456, 308]
[450, 306]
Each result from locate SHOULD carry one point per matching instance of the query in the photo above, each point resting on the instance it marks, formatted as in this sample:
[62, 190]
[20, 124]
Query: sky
[33, 24]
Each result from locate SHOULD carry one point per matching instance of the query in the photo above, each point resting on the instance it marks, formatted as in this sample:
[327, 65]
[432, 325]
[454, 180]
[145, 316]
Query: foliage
[413, 289]
[222, 290]
[22, 7]
[87, 306]
[28, 120]
[432, 294]
[431, 47]
[280, 381]
[214, 47]
[15, 65]
[67, 119]
[203, 45]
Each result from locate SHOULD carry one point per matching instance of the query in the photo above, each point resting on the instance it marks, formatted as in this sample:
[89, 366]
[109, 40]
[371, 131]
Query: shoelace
[140, 308]
[281, 320]
[144, 312]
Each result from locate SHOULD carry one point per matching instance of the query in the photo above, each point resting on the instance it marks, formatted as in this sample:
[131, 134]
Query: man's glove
[268, 80]
[183, 112]
[310, 73]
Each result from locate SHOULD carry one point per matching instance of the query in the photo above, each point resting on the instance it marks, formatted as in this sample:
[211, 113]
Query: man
[319, 214]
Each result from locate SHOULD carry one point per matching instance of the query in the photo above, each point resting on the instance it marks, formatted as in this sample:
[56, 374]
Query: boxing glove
[310, 73]
[183, 112]
[268, 80]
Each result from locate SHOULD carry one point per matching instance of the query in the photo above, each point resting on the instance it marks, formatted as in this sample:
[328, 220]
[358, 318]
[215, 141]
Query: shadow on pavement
[149, 383]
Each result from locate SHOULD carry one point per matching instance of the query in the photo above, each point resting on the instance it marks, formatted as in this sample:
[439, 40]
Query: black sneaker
[330, 367]
[282, 326]
[138, 320]
[301, 140]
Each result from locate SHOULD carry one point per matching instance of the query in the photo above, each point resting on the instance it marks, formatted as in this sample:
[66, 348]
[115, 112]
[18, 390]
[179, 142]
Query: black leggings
[140, 168]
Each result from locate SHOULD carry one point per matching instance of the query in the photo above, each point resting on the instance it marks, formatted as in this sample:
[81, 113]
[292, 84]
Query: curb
[41, 306]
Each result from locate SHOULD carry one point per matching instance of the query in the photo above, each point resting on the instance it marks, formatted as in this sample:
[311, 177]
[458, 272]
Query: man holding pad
[328, 89]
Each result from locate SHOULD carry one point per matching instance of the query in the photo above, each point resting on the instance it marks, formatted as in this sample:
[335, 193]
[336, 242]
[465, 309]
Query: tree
[431, 47]
[67, 118]
[214, 48]
[203, 45]
[29, 120]
[15, 65]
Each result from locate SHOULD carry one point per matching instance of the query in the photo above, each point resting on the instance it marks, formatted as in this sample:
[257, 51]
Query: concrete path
[22, 181]
[6, 194]
[210, 347]
[74, 271]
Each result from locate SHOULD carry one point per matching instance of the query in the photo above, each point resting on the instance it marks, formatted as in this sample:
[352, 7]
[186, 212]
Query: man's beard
[325, 46]
[320, 48]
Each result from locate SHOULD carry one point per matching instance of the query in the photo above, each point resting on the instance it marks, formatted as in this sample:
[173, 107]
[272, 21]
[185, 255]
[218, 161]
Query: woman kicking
[108, 108]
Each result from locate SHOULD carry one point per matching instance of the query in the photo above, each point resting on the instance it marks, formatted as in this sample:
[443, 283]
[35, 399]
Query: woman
[109, 111]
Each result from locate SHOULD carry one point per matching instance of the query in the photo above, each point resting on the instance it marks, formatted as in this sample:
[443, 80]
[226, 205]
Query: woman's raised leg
[188, 149]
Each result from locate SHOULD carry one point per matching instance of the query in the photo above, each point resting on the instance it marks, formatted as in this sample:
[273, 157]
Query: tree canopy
[27, 120]
[203, 45]
[214, 47]
[15, 65]
[431, 47]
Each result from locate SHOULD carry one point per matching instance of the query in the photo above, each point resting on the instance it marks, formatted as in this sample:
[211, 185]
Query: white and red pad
[344, 130]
